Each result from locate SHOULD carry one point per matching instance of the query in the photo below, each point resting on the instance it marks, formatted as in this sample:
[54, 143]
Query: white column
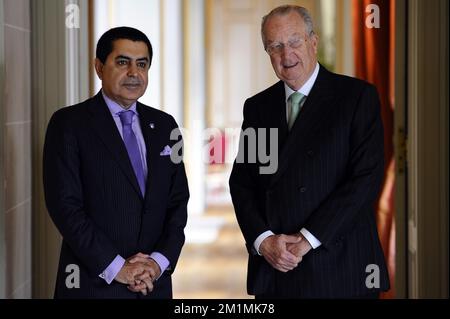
[172, 59]
[195, 92]
[143, 15]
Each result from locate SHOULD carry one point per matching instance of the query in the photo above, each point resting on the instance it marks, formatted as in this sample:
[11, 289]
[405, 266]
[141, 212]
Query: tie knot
[295, 98]
[126, 117]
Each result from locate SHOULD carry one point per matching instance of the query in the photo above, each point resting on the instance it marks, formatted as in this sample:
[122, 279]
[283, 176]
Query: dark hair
[105, 43]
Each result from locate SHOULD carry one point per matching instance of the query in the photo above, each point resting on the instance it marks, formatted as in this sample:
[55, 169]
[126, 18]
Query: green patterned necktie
[296, 100]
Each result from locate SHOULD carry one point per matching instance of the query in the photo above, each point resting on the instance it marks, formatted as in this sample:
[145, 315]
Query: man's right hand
[274, 250]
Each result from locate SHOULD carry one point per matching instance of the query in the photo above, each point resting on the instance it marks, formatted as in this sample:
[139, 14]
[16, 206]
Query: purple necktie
[126, 117]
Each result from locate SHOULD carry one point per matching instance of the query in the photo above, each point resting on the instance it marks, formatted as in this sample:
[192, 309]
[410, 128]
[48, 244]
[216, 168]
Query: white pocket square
[166, 151]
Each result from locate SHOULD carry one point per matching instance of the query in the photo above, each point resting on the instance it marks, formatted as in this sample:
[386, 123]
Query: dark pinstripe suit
[94, 199]
[328, 179]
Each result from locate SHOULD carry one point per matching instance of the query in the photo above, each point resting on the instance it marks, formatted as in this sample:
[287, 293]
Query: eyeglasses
[278, 47]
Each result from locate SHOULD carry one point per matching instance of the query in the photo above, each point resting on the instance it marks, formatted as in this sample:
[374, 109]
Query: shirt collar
[307, 87]
[115, 108]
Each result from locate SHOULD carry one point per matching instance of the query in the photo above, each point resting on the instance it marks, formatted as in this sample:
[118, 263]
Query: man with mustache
[111, 186]
[310, 227]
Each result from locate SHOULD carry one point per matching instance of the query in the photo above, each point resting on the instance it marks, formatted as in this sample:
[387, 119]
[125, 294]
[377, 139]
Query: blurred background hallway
[215, 268]
[208, 59]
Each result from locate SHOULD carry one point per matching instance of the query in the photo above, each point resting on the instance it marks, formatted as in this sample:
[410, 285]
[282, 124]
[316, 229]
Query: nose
[286, 50]
[132, 70]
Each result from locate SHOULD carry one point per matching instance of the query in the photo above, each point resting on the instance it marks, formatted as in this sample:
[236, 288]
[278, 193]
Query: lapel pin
[152, 125]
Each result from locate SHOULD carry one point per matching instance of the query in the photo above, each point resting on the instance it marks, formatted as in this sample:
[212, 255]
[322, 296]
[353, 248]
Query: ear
[99, 68]
[315, 42]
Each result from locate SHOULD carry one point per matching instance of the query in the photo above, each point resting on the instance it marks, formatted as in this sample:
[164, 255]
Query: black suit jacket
[328, 179]
[93, 196]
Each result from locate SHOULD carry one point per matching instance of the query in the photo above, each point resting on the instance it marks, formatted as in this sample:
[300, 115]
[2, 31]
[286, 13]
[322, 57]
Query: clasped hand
[284, 252]
[139, 272]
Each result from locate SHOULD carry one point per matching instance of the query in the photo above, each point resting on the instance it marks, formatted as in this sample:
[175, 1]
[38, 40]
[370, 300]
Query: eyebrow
[296, 34]
[124, 57]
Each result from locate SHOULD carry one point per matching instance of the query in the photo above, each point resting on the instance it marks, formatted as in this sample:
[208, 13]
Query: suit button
[339, 241]
[302, 189]
[310, 153]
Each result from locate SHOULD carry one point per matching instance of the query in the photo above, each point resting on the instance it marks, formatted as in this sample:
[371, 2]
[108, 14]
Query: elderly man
[310, 227]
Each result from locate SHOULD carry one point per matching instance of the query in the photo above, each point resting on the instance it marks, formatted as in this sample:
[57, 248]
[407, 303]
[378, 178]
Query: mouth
[290, 66]
[132, 86]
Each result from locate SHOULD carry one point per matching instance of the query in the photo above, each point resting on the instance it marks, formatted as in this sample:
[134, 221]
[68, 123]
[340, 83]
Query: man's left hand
[144, 282]
[301, 248]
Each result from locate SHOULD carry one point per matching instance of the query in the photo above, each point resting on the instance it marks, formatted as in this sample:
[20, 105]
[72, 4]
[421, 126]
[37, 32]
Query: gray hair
[284, 10]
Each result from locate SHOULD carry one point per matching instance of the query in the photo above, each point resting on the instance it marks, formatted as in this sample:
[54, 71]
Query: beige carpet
[216, 268]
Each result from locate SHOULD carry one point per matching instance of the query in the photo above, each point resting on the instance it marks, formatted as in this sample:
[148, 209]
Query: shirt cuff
[113, 269]
[161, 260]
[260, 239]
[313, 241]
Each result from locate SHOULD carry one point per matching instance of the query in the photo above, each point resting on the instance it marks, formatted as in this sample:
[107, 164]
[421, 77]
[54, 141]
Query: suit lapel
[273, 115]
[103, 124]
[305, 127]
[150, 131]
[277, 116]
